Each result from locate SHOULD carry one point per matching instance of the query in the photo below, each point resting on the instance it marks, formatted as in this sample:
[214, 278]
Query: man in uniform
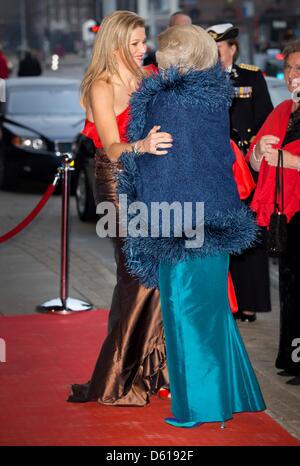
[251, 103]
[250, 107]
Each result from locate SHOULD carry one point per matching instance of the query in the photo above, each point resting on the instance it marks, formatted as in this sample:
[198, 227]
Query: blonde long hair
[114, 34]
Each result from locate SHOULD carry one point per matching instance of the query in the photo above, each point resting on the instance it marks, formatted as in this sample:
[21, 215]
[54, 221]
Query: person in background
[282, 131]
[176, 19]
[211, 376]
[150, 58]
[59, 49]
[250, 107]
[4, 69]
[252, 102]
[29, 65]
[132, 361]
[179, 19]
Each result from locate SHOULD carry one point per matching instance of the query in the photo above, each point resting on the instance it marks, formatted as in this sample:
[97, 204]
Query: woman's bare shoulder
[102, 88]
[101, 96]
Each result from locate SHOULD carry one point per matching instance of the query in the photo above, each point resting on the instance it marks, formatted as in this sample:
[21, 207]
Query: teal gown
[211, 376]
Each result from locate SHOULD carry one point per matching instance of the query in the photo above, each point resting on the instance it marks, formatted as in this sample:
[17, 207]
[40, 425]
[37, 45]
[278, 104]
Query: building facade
[47, 25]
[271, 23]
[10, 33]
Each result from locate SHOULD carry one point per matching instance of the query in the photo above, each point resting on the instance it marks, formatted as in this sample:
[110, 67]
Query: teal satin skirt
[211, 376]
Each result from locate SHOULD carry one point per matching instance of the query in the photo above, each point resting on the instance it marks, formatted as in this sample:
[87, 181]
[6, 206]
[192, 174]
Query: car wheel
[84, 197]
[6, 180]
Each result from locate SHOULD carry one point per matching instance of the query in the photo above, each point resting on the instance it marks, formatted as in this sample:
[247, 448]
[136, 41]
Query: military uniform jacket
[251, 103]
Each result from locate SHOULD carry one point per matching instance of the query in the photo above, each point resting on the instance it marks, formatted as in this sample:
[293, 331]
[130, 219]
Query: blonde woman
[132, 360]
[211, 377]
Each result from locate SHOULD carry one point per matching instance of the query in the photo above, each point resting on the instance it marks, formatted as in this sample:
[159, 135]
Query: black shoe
[294, 381]
[247, 317]
[284, 373]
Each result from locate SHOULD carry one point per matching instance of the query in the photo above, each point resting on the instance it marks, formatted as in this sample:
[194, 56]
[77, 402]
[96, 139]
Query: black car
[38, 122]
[83, 153]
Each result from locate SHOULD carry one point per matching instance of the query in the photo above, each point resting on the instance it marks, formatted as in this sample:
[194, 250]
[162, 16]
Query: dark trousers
[288, 357]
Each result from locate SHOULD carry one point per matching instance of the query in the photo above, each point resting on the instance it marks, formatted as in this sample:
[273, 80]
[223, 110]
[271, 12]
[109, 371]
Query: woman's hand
[265, 144]
[155, 141]
[271, 157]
[263, 147]
[289, 160]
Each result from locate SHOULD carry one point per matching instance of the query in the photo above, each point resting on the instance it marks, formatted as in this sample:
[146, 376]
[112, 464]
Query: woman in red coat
[282, 131]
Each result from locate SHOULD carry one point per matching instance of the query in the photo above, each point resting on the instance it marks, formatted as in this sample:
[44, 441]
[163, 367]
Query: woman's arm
[261, 149]
[256, 158]
[102, 108]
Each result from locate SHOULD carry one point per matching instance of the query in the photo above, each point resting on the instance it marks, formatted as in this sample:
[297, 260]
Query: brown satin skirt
[132, 361]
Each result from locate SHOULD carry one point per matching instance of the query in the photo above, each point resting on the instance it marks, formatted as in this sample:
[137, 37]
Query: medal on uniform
[242, 92]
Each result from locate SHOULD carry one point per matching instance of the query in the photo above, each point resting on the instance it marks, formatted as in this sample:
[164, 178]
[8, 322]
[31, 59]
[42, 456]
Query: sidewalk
[29, 275]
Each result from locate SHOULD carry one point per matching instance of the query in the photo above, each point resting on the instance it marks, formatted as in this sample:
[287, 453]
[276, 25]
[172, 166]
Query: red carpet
[46, 353]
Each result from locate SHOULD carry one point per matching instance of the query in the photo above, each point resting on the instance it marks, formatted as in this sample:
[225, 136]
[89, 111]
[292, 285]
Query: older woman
[282, 130]
[187, 254]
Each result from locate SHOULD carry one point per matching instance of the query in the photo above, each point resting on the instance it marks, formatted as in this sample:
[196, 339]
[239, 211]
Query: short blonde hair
[114, 34]
[186, 47]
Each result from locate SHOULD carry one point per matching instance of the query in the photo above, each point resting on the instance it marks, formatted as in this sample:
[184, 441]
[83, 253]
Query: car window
[278, 91]
[279, 94]
[56, 100]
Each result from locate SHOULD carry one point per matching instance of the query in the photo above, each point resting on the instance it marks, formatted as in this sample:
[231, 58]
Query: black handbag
[277, 231]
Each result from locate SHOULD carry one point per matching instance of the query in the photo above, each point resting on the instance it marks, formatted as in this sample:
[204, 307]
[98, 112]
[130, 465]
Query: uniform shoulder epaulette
[246, 66]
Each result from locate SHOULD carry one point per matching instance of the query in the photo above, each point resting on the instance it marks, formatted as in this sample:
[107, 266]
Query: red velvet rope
[31, 216]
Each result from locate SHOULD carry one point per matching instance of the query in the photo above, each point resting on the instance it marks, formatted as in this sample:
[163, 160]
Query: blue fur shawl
[193, 107]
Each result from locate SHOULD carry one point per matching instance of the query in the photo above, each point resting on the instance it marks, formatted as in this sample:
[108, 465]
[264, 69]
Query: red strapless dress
[90, 131]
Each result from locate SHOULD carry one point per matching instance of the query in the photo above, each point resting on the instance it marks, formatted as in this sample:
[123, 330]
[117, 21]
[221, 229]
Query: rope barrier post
[65, 304]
